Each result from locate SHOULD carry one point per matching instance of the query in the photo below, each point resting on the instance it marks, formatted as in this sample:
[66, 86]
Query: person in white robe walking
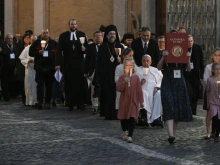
[29, 80]
[151, 79]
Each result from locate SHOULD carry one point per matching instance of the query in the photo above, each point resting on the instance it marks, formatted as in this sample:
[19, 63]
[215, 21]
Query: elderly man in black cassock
[72, 50]
[106, 64]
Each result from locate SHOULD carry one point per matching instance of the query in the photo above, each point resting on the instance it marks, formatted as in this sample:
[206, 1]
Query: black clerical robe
[72, 68]
[106, 76]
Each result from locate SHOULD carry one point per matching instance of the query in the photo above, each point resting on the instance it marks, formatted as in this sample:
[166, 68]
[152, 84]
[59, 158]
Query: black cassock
[106, 76]
[72, 68]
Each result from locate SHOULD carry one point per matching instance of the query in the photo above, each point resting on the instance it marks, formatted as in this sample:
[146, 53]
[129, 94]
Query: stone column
[148, 14]
[120, 16]
[9, 16]
[39, 16]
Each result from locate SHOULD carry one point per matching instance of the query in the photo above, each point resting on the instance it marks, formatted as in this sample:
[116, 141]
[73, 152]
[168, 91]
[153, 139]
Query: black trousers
[44, 82]
[22, 91]
[216, 126]
[8, 89]
[128, 125]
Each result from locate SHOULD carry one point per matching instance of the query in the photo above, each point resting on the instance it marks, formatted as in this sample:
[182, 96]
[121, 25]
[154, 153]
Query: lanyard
[46, 46]
[10, 48]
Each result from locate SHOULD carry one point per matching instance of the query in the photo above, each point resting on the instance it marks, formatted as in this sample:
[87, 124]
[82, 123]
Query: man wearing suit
[145, 45]
[44, 58]
[193, 77]
[90, 65]
[8, 54]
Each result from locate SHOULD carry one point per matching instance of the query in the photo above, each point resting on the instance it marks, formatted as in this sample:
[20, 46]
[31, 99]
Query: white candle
[43, 43]
[145, 70]
[119, 51]
[130, 72]
[82, 40]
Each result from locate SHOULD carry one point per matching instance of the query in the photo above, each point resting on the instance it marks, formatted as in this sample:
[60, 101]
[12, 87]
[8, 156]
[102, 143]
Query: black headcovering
[102, 28]
[108, 29]
[127, 36]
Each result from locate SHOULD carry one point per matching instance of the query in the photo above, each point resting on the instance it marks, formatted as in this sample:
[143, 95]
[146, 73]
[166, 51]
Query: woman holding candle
[131, 96]
[213, 99]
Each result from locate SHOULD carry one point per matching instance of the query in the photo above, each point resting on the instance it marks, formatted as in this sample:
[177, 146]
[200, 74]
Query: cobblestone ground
[59, 137]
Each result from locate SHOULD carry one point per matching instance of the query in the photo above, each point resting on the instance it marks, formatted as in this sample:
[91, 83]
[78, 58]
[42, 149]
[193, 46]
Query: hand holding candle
[82, 40]
[43, 43]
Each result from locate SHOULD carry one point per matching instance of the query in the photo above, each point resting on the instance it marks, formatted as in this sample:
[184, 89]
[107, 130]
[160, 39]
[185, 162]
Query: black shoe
[94, 111]
[70, 108]
[216, 139]
[171, 139]
[38, 105]
[81, 107]
[47, 106]
[54, 104]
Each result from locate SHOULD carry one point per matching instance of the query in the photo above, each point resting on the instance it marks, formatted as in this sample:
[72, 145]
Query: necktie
[145, 48]
[189, 50]
[97, 48]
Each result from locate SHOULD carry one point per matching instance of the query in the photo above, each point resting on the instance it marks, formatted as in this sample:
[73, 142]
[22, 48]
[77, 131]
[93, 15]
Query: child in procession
[130, 99]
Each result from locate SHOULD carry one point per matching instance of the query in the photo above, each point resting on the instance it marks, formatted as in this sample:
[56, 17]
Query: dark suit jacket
[39, 60]
[91, 58]
[152, 50]
[8, 65]
[198, 62]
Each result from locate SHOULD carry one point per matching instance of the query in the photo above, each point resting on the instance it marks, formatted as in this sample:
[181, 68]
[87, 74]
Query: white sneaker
[129, 139]
[124, 135]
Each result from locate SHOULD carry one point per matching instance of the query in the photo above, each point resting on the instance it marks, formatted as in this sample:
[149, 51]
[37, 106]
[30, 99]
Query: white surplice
[29, 80]
[152, 103]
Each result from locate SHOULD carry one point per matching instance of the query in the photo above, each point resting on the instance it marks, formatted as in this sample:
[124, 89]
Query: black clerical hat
[111, 28]
[102, 28]
[127, 36]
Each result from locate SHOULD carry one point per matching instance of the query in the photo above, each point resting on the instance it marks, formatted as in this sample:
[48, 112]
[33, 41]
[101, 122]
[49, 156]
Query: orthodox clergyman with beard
[106, 64]
[72, 50]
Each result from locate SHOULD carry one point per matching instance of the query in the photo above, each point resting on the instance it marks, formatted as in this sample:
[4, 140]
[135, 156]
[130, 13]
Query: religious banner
[177, 46]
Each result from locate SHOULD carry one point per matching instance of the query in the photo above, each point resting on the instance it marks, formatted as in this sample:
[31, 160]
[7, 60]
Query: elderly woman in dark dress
[174, 95]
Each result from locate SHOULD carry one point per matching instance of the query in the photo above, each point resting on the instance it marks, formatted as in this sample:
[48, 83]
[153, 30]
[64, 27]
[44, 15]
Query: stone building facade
[200, 17]
[21, 15]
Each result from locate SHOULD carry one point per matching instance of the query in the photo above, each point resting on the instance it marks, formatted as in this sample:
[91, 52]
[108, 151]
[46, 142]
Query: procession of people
[118, 77]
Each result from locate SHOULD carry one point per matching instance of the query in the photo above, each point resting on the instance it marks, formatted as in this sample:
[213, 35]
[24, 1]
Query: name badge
[191, 65]
[12, 56]
[176, 74]
[45, 54]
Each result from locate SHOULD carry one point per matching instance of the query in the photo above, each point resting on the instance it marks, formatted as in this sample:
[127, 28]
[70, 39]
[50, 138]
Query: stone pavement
[59, 137]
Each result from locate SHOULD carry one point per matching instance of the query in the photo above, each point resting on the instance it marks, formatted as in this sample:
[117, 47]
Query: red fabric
[130, 97]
